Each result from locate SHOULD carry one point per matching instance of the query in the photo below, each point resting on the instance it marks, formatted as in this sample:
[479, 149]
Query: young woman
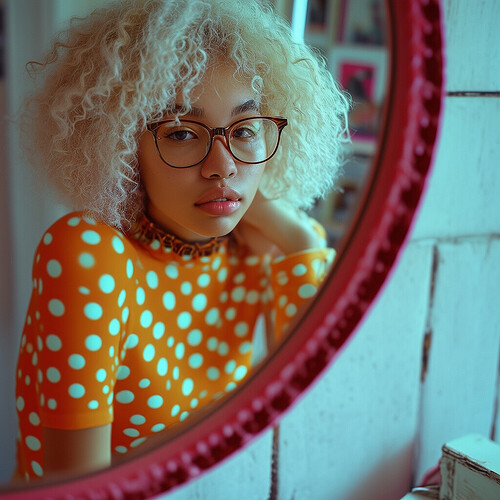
[187, 135]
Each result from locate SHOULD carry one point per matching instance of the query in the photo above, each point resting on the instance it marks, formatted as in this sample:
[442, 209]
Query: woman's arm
[76, 451]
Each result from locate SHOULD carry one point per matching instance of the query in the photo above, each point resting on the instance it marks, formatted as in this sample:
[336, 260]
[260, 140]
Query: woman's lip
[216, 207]
[219, 195]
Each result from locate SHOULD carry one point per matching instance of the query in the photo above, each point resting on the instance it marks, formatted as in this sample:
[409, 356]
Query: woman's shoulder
[78, 235]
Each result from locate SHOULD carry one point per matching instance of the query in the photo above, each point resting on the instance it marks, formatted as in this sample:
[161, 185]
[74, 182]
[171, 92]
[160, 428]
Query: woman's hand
[272, 226]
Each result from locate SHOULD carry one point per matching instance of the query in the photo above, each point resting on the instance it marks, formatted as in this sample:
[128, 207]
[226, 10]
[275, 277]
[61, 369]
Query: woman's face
[208, 199]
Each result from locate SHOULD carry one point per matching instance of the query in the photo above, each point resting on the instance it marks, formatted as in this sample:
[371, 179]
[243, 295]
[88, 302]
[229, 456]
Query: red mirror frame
[411, 126]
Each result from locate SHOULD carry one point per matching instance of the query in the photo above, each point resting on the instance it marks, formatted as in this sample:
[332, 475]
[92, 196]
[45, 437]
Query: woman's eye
[244, 133]
[180, 135]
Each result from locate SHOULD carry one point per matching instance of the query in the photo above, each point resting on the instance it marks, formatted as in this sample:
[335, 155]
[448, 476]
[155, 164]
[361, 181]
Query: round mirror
[367, 234]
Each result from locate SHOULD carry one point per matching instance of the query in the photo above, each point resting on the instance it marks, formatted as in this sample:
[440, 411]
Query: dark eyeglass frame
[280, 122]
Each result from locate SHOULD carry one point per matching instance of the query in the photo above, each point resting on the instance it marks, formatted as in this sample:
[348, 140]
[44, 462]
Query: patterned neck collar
[148, 232]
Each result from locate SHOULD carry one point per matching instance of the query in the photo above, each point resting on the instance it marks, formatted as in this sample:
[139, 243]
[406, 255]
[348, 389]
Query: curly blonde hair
[123, 66]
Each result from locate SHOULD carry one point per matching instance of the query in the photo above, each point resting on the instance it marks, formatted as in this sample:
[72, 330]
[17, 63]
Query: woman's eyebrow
[250, 105]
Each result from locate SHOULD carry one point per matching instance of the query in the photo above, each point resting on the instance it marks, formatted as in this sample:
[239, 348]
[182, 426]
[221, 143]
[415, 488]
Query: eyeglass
[186, 143]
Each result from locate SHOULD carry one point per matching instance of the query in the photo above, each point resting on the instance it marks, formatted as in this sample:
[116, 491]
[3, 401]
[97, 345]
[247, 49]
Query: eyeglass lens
[184, 143]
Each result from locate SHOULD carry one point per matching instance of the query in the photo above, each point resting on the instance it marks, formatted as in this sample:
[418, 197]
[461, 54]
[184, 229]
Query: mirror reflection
[201, 171]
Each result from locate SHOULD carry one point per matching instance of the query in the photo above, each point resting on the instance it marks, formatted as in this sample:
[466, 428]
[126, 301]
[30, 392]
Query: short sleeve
[78, 313]
[294, 281]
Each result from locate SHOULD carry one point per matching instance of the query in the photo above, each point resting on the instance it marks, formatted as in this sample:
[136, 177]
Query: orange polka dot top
[124, 329]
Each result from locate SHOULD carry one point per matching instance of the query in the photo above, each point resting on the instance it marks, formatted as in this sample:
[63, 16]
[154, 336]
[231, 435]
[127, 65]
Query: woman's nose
[219, 163]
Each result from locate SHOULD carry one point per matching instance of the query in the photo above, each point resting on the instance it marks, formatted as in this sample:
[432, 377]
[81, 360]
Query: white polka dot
[184, 320]
[146, 319]
[125, 397]
[158, 330]
[76, 361]
[230, 366]
[223, 297]
[170, 341]
[193, 403]
[162, 367]
[137, 442]
[239, 278]
[93, 405]
[230, 387]
[56, 307]
[155, 401]
[203, 280]
[34, 359]
[194, 337]
[172, 271]
[307, 291]
[152, 279]
[91, 237]
[149, 353]
[121, 449]
[34, 419]
[114, 327]
[213, 373]
[89, 220]
[76, 391]
[20, 403]
[125, 313]
[222, 275]
[53, 375]
[240, 372]
[216, 263]
[130, 268]
[37, 468]
[186, 288]
[140, 296]
[47, 238]
[245, 347]
[53, 343]
[212, 316]
[144, 383]
[252, 297]
[238, 293]
[74, 221]
[86, 260]
[84, 290]
[169, 301]
[117, 245]
[199, 302]
[291, 310]
[93, 342]
[54, 268]
[212, 343]
[179, 350]
[137, 419]
[241, 329]
[101, 375]
[158, 427]
[52, 404]
[175, 410]
[123, 372]
[93, 311]
[195, 360]
[132, 341]
[107, 283]
[223, 349]
[230, 313]
[131, 432]
[299, 270]
[121, 298]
